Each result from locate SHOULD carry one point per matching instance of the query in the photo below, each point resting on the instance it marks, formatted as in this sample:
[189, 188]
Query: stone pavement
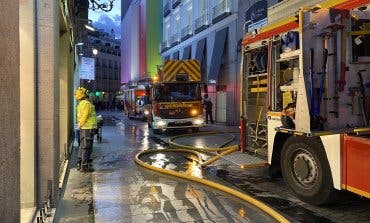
[76, 204]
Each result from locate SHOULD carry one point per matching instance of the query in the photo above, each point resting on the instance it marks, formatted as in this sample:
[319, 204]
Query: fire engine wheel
[306, 170]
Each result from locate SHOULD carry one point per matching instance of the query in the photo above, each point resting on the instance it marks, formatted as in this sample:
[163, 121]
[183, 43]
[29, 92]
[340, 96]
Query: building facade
[141, 33]
[37, 84]
[107, 80]
[211, 32]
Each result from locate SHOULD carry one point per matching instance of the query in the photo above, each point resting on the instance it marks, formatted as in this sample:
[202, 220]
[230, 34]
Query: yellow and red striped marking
[173, 67]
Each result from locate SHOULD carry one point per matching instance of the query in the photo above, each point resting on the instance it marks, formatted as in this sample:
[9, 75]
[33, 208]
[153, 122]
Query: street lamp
[95, 52]
[89, 27]
[106, 7]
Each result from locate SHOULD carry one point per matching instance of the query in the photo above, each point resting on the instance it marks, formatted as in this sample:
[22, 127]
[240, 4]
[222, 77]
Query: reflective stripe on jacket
[86, 115]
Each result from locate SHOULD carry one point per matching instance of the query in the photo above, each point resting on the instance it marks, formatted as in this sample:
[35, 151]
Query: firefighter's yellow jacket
[86, 115]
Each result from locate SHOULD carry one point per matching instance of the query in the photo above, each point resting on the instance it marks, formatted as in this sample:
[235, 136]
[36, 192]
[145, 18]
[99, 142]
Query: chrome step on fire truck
[176, 100]
[305, 100]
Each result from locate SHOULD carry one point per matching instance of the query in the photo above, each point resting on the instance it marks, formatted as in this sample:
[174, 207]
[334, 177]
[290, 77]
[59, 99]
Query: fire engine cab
[176, 100]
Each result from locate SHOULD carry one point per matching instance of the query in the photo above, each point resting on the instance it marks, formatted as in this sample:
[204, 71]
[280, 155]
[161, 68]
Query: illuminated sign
[87, 70]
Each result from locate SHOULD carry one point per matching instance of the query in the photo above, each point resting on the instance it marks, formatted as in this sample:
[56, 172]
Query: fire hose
[197, 152]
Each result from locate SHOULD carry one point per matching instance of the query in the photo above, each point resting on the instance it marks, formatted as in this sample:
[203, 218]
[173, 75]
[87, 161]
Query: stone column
[47, 85]
[27, 101]
[9, 113]
[64, 81]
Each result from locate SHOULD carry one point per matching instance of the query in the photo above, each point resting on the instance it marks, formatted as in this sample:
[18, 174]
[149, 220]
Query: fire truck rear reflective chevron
[173, 67]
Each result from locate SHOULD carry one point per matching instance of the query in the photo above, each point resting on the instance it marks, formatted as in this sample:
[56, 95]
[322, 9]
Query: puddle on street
[180, 162]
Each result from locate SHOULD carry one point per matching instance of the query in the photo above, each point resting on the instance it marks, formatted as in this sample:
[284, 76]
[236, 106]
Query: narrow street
[125, 192]
[121, 191]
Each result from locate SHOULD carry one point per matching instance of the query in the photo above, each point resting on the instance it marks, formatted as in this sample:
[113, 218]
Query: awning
[175, 55]
[166, 58]
[199, 53]
[218, 51]
[187, 53]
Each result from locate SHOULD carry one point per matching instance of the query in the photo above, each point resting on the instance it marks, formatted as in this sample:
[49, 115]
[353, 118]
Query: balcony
[221, 11]
[175, 3]
[167, 9]
[175, 39]
[165, 45]
[186, 32]
[201, 23]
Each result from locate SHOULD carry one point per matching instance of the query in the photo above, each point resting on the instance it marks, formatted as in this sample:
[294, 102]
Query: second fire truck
[176, 100]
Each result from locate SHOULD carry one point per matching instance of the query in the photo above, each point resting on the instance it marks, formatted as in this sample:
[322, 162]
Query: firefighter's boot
[86, 168]
[79, 164]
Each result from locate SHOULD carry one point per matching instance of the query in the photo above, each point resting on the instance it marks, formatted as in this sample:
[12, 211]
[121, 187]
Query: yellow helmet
[80, 93]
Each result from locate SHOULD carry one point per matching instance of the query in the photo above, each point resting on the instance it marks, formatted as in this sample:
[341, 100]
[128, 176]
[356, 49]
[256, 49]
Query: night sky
[108, 20]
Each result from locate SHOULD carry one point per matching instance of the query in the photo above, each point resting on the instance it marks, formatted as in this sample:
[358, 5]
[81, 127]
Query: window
[167, 26]
[176, 23]
[189, 14]
[203, 7]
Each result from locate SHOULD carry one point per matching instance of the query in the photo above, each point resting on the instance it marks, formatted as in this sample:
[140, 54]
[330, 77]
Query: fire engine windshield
[178, 92]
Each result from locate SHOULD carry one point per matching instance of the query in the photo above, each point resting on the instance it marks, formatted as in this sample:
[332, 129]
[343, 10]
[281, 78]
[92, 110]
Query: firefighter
[87, 124]
[207, 104]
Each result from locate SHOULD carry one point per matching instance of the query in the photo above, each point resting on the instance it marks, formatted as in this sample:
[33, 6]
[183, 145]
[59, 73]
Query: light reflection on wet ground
[124, 192]
[180, 162]
[203, 141]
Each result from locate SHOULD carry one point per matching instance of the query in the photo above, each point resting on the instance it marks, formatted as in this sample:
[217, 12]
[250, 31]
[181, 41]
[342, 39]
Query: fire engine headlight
[160, 123]
[146, 112]
[198, 121]
[194, 112]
